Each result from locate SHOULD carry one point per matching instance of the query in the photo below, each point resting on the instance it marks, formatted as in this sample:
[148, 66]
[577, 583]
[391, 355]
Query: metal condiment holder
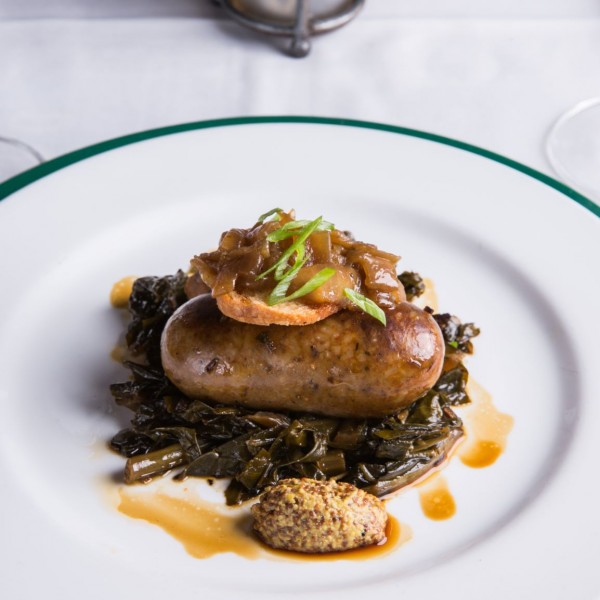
[296, 19]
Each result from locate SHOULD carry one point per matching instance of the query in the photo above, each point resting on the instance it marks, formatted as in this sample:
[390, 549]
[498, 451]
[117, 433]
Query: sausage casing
[348, 365]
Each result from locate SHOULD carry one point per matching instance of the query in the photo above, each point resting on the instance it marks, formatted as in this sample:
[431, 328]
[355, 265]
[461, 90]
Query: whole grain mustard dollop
[305, 515]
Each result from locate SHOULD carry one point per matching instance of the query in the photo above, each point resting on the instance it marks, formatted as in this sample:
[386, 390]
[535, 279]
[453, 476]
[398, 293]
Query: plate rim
[22, 180]
[473, 166]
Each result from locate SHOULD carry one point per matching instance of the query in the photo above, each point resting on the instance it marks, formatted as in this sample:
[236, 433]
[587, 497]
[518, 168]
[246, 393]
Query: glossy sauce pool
[486, 436]
[205, 530]
[486, 429]
[437, 502]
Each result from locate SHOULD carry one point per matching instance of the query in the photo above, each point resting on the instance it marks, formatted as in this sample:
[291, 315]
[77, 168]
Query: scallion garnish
[280, 266]
[291, 228]
[278, 294]
[365, 304]
[284, 274]
[273, 211]
[312, 284]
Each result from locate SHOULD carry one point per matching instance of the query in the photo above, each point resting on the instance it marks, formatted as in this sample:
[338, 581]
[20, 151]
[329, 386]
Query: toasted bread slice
[253, 309]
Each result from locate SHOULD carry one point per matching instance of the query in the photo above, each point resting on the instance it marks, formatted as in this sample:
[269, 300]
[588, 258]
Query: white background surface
[495, 74]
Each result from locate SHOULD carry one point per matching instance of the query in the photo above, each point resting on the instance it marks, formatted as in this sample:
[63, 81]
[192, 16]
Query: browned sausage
[348, 365]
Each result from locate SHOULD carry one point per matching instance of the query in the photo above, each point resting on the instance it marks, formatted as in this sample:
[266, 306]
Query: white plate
[508, 248]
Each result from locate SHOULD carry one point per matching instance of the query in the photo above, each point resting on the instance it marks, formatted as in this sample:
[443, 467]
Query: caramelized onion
[332, 291]
[245, 255]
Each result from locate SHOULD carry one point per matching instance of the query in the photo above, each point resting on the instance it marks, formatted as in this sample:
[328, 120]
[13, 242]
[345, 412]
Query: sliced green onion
[280, 266]
[278, 294]
[291, 228]
[365, 304]
[312, 284]
[454, 344]
[273, 211]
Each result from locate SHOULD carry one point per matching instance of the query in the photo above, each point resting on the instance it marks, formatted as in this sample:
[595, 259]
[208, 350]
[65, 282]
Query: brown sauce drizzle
[204, 530]
[486, 429]
[436, 499]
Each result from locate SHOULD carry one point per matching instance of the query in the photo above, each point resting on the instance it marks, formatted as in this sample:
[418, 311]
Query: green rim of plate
[27, 177]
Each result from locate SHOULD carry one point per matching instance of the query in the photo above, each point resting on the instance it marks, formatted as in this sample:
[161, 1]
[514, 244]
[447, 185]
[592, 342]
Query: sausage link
[348, 365]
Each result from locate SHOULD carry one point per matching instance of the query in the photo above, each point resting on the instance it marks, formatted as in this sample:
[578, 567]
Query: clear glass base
[573, 147]
[15, 157]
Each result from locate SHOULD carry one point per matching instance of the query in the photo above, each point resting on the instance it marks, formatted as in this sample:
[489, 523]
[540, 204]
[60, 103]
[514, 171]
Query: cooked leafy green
[413, 284]
[457, 335]
[257, 448]
[153, 300]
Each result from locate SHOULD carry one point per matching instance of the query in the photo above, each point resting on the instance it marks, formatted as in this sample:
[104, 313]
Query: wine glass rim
[24, 146]
[552, 157]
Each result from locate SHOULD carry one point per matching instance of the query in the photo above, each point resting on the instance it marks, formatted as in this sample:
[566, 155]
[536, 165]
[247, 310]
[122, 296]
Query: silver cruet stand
[298, 20]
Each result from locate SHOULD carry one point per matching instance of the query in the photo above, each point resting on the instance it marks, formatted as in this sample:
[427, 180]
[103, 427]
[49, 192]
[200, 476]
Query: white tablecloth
[448, 67]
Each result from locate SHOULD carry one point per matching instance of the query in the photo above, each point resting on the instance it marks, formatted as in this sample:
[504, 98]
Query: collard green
[413, 283]
[457, 335]
[255, 449]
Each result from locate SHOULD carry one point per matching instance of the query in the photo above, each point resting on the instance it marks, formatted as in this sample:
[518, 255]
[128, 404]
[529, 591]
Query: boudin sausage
[348, 365]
